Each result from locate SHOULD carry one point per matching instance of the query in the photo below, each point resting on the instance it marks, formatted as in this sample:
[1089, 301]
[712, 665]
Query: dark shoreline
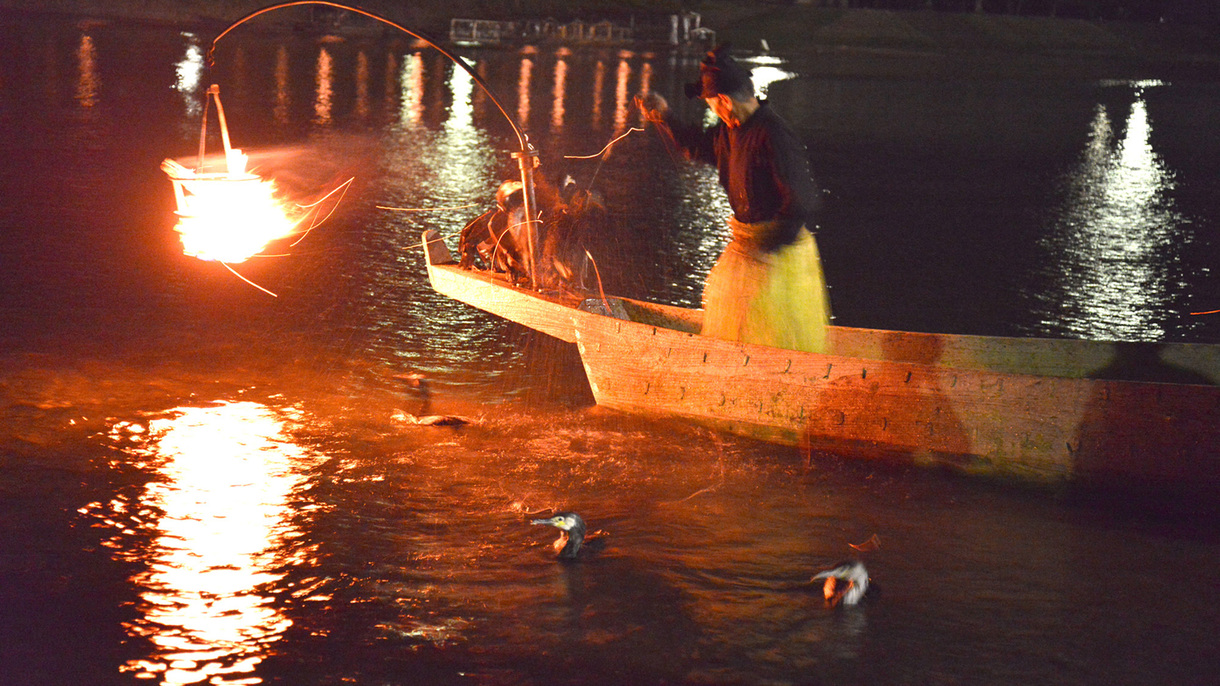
[832, 42]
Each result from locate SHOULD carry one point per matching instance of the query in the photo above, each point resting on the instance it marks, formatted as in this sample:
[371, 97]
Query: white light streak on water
[1118, 238]
[218, 514]
[189, 73]
[412, 85]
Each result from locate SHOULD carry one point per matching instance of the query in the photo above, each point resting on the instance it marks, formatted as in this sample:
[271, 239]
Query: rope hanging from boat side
[597, 272]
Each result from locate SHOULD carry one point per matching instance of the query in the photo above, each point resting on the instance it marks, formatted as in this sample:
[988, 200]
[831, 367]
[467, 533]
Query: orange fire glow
[227, 217]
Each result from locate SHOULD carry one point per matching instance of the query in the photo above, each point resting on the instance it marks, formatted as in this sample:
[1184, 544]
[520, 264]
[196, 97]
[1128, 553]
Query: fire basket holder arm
[527, 156]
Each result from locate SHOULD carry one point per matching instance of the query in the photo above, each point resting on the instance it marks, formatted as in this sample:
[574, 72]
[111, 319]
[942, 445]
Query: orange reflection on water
[391, 81]
[523, 91]
[599, 82]
[645, 82]
[620, 95]
[362, 84]
[413, 89]
[88, 83]
[323, 102]
[222, 493]
[558, 91]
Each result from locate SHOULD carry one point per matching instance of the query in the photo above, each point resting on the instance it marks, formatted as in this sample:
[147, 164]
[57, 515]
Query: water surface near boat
[203, 482]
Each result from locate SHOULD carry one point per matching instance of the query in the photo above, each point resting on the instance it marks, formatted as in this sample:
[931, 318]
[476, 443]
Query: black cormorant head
[572, 535]
[846, 583]
[418, 385]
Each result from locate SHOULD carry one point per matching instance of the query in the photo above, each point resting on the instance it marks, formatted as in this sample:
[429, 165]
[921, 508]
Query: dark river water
[203, 483]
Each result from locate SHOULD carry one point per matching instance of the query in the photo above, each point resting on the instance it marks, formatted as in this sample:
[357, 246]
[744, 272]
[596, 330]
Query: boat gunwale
[860, 344]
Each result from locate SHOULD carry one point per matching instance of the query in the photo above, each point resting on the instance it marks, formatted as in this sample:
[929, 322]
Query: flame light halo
[229, 217]
[232, 215]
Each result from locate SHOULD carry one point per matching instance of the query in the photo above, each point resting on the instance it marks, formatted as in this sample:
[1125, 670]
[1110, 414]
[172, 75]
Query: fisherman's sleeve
[799, 199]
[694, 142]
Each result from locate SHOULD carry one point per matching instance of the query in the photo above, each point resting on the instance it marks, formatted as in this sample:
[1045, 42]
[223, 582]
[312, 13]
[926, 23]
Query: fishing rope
[315, 222]
[226, 265]
[600, 290]
[427, 209]
[605, 149]
[602, 157]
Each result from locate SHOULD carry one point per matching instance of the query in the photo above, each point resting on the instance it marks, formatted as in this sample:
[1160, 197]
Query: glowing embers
[227, 216]
[232, 215]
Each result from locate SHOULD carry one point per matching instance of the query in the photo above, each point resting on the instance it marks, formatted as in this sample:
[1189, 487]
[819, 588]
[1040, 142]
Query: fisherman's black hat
[719, 74]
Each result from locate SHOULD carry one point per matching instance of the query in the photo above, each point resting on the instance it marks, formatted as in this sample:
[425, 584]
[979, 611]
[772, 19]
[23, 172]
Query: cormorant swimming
[571, 533]
[419, 385]
[845, 583]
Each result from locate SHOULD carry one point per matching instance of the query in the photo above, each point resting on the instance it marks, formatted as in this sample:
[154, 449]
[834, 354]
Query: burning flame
[227, 216]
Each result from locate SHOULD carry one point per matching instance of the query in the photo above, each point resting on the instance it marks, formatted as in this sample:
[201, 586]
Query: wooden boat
[1046, 411]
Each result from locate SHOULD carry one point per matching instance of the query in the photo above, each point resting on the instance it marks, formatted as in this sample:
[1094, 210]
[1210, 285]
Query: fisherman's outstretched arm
[695, 142]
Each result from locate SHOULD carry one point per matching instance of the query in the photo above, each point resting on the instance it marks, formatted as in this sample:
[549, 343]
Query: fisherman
[497, 237]
[568, 219]
[767, 287]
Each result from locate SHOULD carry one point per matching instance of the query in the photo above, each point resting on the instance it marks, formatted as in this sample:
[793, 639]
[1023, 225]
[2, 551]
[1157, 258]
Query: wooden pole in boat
[527, 159]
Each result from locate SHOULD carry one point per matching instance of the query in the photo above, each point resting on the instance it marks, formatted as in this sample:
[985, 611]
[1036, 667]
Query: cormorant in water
[845, 583]
[571, 533]
[419, 385]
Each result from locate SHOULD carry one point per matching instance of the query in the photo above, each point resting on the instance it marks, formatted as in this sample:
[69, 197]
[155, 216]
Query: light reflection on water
[1114, 251]
[558, 91]
[412, 551]
[283, 97]
[323, 102]
[88, 82]
[412, 89]
[216, 517]
[190, 74]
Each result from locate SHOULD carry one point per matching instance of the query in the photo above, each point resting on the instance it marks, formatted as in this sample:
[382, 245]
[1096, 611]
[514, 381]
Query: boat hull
[925, 399]
[1014, 426]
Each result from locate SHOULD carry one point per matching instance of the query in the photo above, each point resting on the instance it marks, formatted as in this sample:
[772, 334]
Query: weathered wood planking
[493, 293]
[1004, 407]
[1031, 428]
[1166, 362]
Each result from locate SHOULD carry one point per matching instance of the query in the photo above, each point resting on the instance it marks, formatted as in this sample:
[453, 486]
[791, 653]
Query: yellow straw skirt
[777, 299]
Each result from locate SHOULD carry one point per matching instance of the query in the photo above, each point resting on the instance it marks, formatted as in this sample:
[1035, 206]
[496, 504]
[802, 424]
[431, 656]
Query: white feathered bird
[845, 583]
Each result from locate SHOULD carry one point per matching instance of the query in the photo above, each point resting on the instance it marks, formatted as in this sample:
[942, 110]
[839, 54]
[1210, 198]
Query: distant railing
[683, 29]
[481, 31]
